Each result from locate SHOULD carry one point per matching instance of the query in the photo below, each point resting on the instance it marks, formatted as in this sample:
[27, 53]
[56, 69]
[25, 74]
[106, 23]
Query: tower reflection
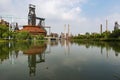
[36, 54]
[66, 44]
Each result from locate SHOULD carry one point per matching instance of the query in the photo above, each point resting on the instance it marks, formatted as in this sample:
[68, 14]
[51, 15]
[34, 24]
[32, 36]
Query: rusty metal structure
[32, 27]
[32, 17]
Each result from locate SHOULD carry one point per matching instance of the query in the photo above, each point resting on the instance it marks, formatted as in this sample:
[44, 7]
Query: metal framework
[116, 27]
[41, 21]
[32, 17]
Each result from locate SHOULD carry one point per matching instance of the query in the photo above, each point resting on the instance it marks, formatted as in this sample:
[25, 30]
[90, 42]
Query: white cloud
[2, 2]
[57, 14]
[60, 12]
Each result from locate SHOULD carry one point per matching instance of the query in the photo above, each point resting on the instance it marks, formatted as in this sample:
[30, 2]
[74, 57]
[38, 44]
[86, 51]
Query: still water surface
[60, 60]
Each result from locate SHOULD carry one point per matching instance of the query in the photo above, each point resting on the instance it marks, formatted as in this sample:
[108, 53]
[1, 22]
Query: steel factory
[36, 26]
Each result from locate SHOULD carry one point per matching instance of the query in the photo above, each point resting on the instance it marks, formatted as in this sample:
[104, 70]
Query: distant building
[2, 22]
[54, 35]
[116, 27]
[65, 36]
[32, 28]
[14, 26]
[62, 35]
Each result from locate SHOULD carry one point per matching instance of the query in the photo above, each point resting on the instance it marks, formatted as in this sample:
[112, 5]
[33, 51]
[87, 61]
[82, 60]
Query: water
[60, 60]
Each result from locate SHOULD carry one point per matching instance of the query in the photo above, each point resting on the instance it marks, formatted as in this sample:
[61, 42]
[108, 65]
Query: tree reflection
[34, 50]
[107, 45]
[4, 51]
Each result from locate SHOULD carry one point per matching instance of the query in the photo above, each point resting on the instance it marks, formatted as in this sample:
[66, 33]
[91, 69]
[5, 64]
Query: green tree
[3, 31]
[87, 34]
[22, 35]
[5, 35]
[115, 34]
[106, 34]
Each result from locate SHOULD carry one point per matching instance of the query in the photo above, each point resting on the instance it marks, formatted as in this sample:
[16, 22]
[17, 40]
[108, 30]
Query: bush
[22, 35]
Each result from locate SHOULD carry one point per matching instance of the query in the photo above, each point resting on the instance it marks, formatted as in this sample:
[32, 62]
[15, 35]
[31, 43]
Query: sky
[82, 15]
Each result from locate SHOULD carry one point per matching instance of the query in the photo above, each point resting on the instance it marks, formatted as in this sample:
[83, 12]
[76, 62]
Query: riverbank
[21, 40]
[98, 39]
[4, 41]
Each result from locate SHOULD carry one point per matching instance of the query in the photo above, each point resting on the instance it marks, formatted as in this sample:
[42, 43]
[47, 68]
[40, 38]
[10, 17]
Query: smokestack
[65, 30]
[100, 28]
[107, 25]
[68, 30]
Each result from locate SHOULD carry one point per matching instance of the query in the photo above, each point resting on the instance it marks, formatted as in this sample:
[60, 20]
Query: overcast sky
[82, 15]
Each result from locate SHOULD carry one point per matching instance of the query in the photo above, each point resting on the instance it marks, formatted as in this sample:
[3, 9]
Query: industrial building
[32, 27]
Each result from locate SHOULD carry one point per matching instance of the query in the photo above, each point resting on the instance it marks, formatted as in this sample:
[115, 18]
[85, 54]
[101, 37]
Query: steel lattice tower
[31, 15]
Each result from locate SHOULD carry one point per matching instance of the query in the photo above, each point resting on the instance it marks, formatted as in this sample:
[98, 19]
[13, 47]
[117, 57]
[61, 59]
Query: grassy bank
[98, 39]
[1, 40]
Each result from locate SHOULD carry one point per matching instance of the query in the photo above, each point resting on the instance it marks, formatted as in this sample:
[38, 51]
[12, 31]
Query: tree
[3, 31]
[22, 35]
[115, 34]
[106, 34]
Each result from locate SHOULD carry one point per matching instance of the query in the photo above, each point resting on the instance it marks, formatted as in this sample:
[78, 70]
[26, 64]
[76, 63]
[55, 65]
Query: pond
[60, 60]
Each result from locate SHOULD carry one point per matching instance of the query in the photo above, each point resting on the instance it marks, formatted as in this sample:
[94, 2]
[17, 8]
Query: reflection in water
[117, 76]
[10, 51]
[4, 52]
[63, 43]
[101, 50]
[102, 45]
[53, 43]
[66, 45]
[34, 53]
[32, 61]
